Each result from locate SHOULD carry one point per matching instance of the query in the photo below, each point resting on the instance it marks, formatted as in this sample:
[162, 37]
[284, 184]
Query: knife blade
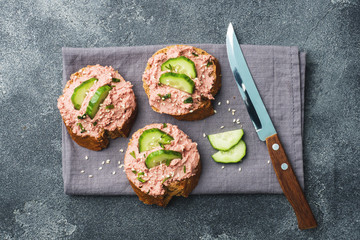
[266, 132]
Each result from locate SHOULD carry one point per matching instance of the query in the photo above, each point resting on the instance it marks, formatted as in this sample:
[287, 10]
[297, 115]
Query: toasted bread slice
[205, 108]
[109, 124]
[156, 188]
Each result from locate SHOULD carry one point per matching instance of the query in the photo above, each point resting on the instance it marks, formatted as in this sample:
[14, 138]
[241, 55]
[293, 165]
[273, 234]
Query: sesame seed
[229, 109]
[113, 173]
[121, 150]
[120, 166]
[222, 127]
[119, 162]
[204, 135]
[268, 161]
[90, 176]
[191, 111]
[103, 162]
[108, 161]
[86, 157]
[222, 167]
[227, 101]
[233, 110]
[233, 113]
[82, 171]
[219, 103]
[240, 169]
[234, 120]
[100, 168]
[214, 111]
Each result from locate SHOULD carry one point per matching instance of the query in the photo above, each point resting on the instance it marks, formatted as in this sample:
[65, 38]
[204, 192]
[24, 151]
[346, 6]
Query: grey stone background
[32, 202]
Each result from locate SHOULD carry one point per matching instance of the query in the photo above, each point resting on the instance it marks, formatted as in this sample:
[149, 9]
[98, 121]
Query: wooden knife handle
[289, 183]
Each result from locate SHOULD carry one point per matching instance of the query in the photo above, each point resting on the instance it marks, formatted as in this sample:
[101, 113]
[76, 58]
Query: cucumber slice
[180, 65]
[152, 138]
[79, 94]
[94, 103]
[161, 156]
[234, 155]
[179, 81]
[226, 140]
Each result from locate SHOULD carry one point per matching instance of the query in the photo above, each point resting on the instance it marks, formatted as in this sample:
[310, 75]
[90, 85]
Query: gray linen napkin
[279, 76]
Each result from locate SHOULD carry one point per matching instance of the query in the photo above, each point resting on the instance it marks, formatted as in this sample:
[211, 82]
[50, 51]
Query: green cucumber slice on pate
[161, 156]
[178, 81]
[225, 140]
[181, 65]
[152, 138]
[95, 101]
[234, 155]
[80, 91]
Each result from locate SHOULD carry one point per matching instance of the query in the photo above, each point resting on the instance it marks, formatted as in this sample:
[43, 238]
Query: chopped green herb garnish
[189, 100]
[133, 154]
[144, 155]
[81, 127]
[165, 179]
[116, 80]
[195, 54]
[166, 96]
[94, 123]
[209, 63]
[168, 162]
[170, 67]
[141, 173]
[161, 145]
[82, 116]
[112, 86]
[111, 106]
[164, 125]
[148, 192]
[134, 171]
[184, 169]
[141, 180]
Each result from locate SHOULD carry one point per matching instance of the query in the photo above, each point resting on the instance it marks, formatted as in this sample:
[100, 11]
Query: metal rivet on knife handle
[284, 166]
[275, 146]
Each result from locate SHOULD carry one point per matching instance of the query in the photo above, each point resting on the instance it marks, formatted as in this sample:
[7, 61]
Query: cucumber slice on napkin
[226, 140]
[179, 81]
[94, 103]
[79, 94]
[180, 65]
[234, 155]
[152, 138]
[161, 156]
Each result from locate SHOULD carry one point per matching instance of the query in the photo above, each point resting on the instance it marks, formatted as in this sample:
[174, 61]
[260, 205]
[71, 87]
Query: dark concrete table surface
[32, 202]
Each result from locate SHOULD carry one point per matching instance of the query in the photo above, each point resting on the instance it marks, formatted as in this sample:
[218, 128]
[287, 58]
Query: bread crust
[102, 141]
[97, 144]
[205, 109]
[176, 188]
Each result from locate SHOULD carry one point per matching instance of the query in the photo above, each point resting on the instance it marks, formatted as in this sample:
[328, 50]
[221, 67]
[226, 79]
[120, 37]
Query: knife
[266, 132]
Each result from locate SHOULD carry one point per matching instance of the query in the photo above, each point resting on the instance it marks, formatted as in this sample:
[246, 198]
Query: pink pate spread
[155, 176]
[203, 83]
[121, 96]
